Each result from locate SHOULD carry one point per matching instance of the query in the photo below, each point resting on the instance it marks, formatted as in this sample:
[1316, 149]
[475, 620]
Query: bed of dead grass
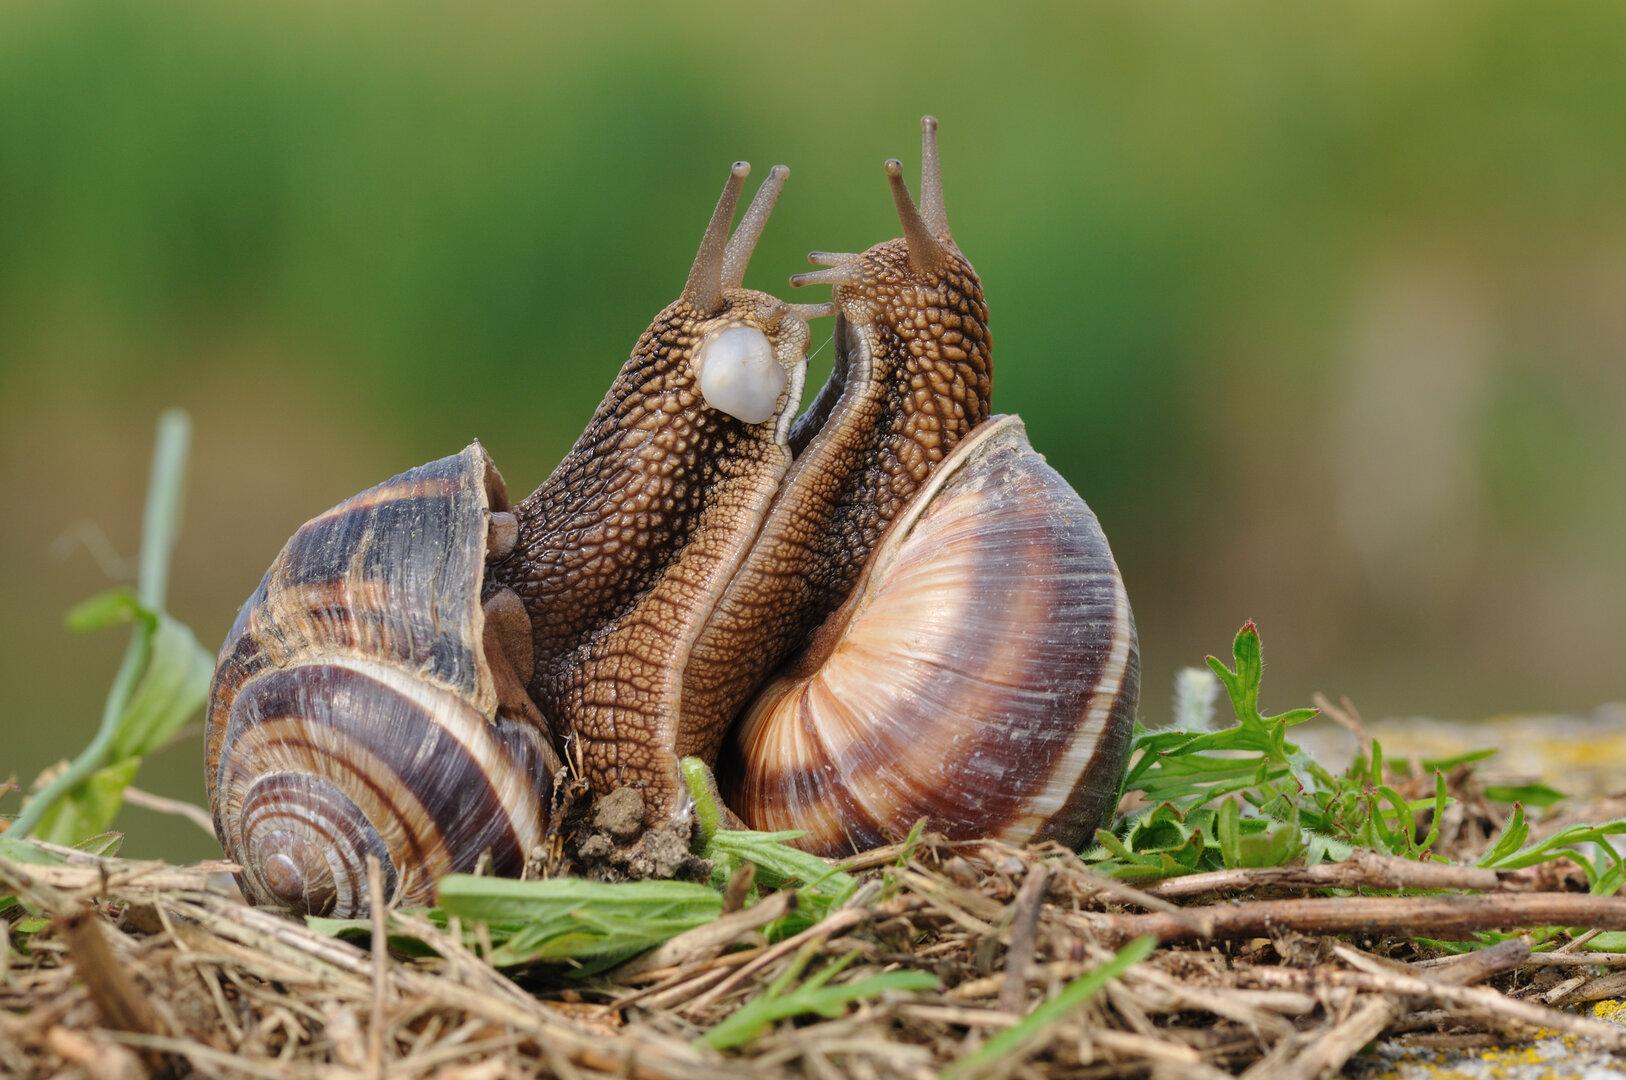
[115, 968]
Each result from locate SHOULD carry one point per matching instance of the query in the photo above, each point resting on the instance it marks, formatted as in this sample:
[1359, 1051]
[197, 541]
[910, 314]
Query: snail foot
[610, 842]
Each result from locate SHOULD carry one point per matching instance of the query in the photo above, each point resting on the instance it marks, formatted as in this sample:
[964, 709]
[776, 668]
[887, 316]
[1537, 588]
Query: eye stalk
[740, 375]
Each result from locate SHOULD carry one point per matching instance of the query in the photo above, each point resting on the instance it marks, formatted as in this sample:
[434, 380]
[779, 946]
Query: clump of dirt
[605, 839]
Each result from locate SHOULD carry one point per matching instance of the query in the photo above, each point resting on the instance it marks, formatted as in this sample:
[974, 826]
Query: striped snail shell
[360, 708]
[983, 674]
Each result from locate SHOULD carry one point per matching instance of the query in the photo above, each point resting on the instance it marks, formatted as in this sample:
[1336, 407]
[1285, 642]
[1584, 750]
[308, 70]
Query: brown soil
[605, 840]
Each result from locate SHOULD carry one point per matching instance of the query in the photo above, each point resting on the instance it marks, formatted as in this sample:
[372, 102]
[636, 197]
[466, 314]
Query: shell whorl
[354, 710]
[984, 674]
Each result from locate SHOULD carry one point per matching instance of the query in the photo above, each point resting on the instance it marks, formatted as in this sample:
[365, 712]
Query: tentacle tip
[779, 172]
[836, 275]
[928, 124]
[894, 168]
[809, 312]
[740, 169]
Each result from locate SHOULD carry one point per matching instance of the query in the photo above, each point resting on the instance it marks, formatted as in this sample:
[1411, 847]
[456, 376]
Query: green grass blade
[757, 1015]
[1000, 1048]
[161, 522]
[159, 528]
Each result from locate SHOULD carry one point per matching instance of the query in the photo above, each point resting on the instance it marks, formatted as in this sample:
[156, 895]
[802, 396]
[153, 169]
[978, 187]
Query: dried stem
[1431, 916]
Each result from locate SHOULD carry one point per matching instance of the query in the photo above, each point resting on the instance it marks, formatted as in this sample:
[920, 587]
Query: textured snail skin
[984, 674]
[354, 712]
[913, 376]
[626, 547]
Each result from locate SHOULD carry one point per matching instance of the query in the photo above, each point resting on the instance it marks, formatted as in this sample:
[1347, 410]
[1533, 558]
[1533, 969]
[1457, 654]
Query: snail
[882, 607]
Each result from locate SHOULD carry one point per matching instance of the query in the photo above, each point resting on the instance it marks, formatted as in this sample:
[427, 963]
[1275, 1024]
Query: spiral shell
[984, 674]
[353, 710]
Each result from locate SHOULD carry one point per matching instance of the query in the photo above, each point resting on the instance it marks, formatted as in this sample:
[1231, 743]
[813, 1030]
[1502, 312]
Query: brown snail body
[892, 608]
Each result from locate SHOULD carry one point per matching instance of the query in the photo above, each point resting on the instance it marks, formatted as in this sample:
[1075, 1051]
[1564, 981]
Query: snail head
[910, 313]
[745, 350]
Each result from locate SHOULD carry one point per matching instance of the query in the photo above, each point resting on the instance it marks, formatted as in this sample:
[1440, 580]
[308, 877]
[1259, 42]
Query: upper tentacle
[704, 288]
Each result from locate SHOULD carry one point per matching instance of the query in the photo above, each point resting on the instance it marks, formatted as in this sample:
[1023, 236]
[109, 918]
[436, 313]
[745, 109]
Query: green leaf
[1468, 757]
[1609, 941]
[171, 691]
[102, 845]
[170, 686]
[115, 607]
[572, 919]
[174, 682]
[89, 807]
[1610, 881]
[1506, 853]
[1537, 795]
[1228, 830]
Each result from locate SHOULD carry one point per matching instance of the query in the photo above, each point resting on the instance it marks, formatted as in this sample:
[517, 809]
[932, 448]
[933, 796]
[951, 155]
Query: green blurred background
[1322, 307]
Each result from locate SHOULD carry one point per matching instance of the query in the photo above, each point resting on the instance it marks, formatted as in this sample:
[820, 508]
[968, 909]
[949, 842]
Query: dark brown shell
[984, 674]
[353, 711]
